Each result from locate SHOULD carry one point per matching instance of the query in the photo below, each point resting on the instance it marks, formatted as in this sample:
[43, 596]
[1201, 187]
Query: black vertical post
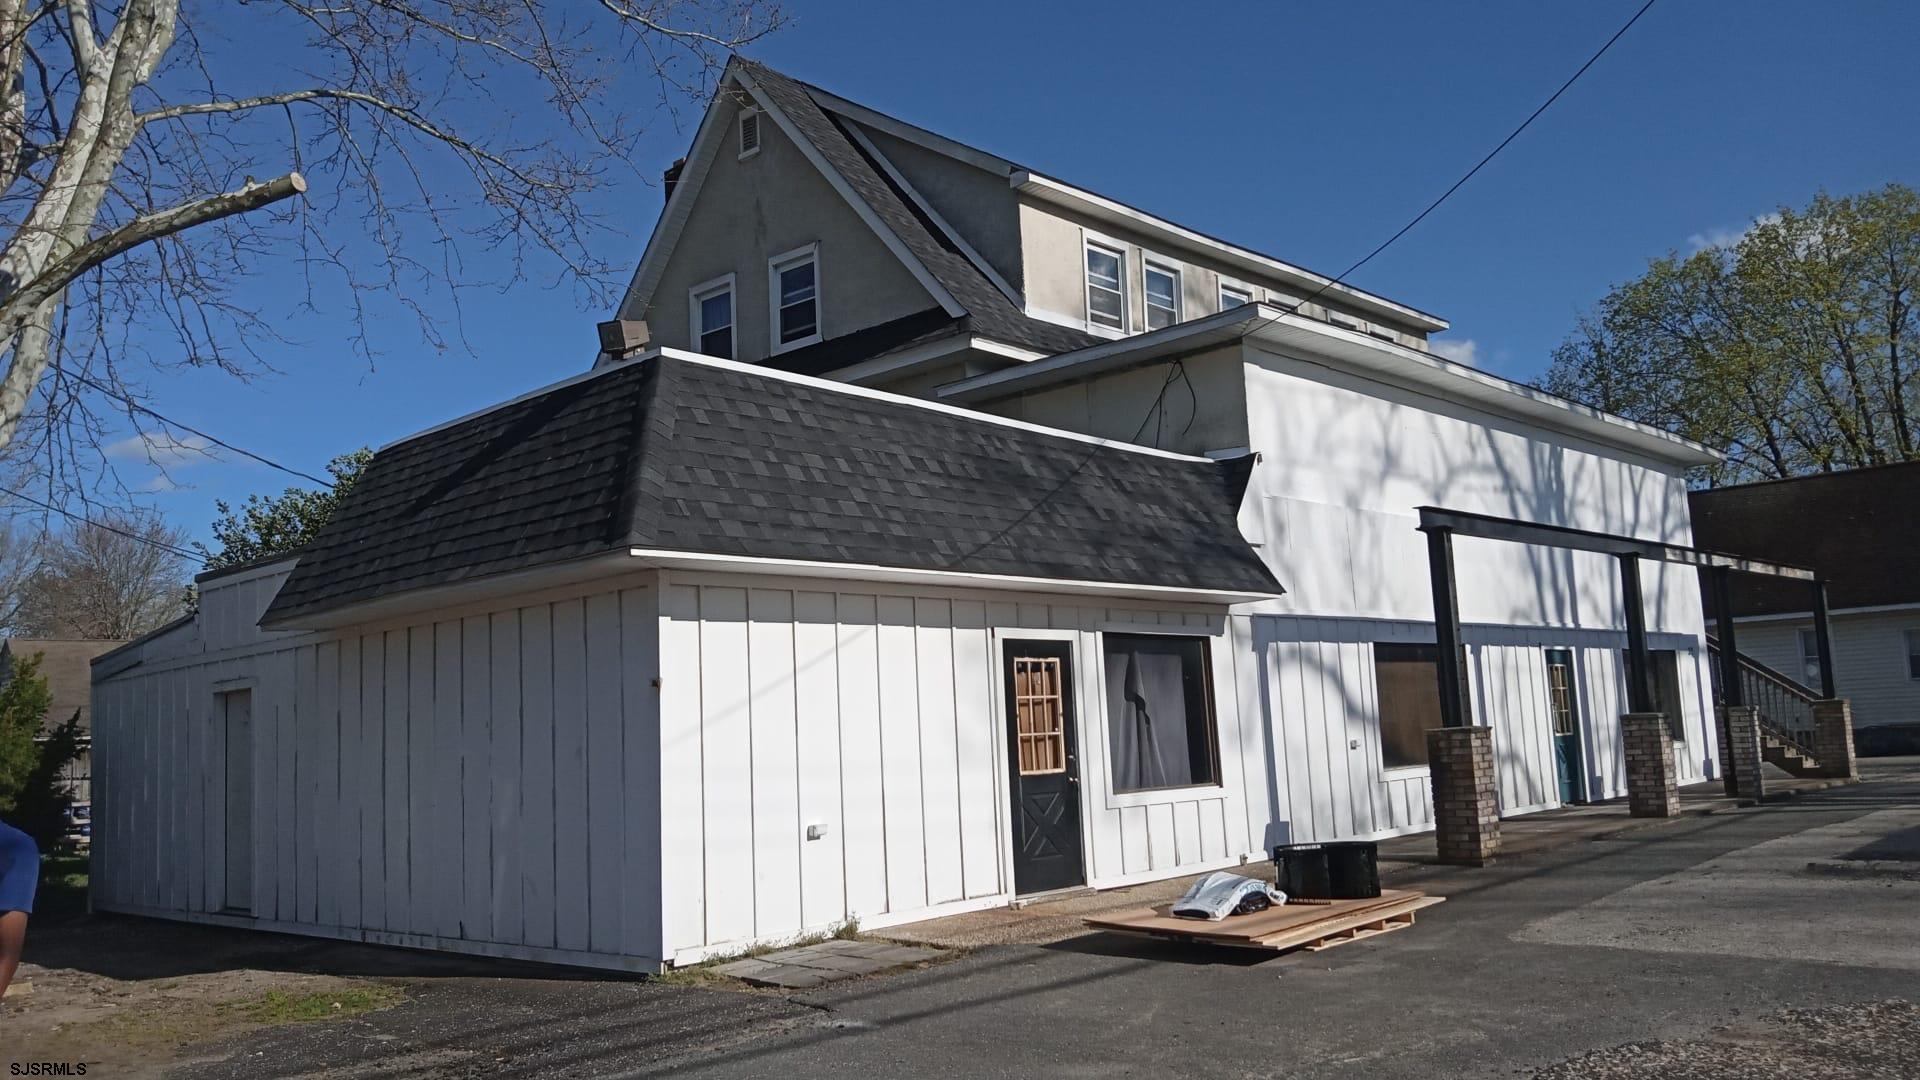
[1639, 667]
[1454, 711]
[1823, 639]
[1730, 692]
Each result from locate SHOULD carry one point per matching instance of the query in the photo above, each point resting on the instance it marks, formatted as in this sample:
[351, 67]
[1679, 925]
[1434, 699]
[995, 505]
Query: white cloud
[1725, 237]
[160, 483]
[1460, 351]
[162, 449]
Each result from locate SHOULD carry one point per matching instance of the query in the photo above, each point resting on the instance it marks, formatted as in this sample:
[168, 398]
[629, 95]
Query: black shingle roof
[678, 455]
[989, 312]
[1858, 529]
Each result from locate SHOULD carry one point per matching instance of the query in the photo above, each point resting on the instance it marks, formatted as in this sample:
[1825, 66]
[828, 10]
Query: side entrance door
[1042, 745]
[236, 707]
[1563, 701]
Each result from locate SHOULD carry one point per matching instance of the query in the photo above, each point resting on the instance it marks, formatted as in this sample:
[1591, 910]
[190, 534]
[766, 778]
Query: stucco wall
[1869, 660]
[1203, 413]
[1053, 256]
[979, 204]
[771, 203]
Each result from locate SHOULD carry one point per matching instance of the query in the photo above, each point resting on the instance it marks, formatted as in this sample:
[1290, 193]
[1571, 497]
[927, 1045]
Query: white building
[695, 653]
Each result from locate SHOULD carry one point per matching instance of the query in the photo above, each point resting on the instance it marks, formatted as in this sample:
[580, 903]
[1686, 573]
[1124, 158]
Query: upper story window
[1233, 296]
[749, 133]
[793, 292]
[1162, 288]
[710, 308]
[1106, 286]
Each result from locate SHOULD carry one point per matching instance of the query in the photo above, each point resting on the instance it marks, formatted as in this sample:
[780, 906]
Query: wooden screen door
[1563, 706]
[1042, 747]
[236, 709]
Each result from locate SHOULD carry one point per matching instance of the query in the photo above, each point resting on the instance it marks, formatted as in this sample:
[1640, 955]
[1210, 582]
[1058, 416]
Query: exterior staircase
[1786, 711]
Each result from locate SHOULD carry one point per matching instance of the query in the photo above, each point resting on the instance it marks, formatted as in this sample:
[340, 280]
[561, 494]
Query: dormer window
[1233, 296]
[749, 133]
[793, 291]
[1106, 286]
[1162, 295]
[710, 308]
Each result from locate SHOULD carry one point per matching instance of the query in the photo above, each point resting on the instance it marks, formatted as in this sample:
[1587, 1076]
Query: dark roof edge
[1829, 474]
[250, 564]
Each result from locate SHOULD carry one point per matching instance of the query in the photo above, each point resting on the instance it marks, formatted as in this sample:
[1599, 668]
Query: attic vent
[749, 133]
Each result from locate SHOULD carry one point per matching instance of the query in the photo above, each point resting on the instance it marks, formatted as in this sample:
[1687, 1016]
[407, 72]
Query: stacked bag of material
[1221, 894]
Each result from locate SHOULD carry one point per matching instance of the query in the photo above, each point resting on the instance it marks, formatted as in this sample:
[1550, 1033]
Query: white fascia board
[919, 136]
[859, 205]
[900, 181]
[747, 564]
[916, 357]
[1331, 346]
[1046, 189]
[673, 216]
[1832, 613]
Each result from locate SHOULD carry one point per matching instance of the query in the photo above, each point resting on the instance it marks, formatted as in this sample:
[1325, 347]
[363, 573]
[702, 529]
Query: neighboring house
[64, 664]
[1860, 531]
[852, 596]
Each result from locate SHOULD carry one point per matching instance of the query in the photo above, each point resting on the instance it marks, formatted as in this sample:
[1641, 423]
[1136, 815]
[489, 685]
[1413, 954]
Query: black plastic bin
[1347, 870]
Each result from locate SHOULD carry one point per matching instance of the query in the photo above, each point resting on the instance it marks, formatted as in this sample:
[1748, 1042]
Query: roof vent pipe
[671, 178]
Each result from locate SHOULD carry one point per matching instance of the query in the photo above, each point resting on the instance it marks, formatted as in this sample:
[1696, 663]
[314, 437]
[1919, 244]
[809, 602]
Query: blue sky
[1308, 131]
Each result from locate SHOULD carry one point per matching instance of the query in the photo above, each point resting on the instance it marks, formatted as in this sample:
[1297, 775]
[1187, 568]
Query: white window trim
[1090, 239]
[1165, 266]
[723, 283]
[1118, 800]
[739, 131]
[782, 261]
[1225, 284]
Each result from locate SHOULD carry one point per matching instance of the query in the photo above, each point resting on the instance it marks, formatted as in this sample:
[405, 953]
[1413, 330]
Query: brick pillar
[1742, 725]
[1833, 739]
[1651, 789]
[1466, 803]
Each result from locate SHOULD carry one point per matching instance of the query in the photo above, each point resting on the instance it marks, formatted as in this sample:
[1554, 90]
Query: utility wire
[138, 407]
[1481, 164]
[150, 542]
[1340, 278]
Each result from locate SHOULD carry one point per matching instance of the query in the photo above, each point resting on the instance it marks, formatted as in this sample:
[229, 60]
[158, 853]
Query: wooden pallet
[1278, 929]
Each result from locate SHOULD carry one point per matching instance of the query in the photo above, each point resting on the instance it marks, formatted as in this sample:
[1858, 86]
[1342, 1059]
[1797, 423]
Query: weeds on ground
[703, 973]
[280, 1007]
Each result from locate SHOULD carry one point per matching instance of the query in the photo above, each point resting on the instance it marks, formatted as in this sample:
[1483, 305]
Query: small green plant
[280, 1007]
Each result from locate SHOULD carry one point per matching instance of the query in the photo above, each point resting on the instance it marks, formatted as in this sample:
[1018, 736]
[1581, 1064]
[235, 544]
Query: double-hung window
[1160, 722]
[793, 287]
[1810, 660]
[1106, 286]
[1162, 295]
[1233, 296]
[711, 309]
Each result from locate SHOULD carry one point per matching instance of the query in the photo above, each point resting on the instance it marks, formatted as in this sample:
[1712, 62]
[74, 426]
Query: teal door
[1564, 704]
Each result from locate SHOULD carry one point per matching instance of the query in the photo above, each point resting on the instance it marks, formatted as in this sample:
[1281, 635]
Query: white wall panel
[405, 778]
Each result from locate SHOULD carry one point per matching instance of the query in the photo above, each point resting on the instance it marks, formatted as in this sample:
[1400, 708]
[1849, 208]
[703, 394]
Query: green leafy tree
[276, 525]
[1795, 348]
[40, 810]
[24, 700]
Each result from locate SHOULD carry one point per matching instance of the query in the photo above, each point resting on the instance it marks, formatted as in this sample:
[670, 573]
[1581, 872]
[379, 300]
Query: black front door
[1042, 746]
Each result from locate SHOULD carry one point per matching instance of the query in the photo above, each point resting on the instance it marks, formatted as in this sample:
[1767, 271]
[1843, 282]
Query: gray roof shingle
[678, 455]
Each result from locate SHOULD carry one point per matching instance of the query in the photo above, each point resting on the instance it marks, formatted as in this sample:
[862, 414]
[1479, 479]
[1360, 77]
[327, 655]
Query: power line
[149, 541]
[1340, 278]
[138, 407]
[1481, 164]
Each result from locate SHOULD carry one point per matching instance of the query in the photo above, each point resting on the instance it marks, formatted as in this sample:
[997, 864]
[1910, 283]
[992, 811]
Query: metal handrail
[1786, 706]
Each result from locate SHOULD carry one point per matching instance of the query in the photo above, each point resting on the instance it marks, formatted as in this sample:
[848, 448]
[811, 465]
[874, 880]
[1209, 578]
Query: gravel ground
[1859, 1042]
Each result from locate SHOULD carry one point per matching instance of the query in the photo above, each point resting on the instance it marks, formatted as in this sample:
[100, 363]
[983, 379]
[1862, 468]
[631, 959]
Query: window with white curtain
[1160, 722]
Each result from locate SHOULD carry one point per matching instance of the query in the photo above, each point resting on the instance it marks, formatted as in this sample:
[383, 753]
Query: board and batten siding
[485, 782]
[1315, 687]
[876, 714]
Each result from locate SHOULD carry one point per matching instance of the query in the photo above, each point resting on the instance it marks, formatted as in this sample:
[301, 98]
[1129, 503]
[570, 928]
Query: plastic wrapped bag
[1221, 894]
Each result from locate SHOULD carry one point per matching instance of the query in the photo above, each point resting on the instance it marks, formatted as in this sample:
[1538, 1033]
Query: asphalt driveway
[1745, 943]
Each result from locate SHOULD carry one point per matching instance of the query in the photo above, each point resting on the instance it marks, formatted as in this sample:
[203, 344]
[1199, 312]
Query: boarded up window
[1159, 712]
[1409, 683]
[1042, 715]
